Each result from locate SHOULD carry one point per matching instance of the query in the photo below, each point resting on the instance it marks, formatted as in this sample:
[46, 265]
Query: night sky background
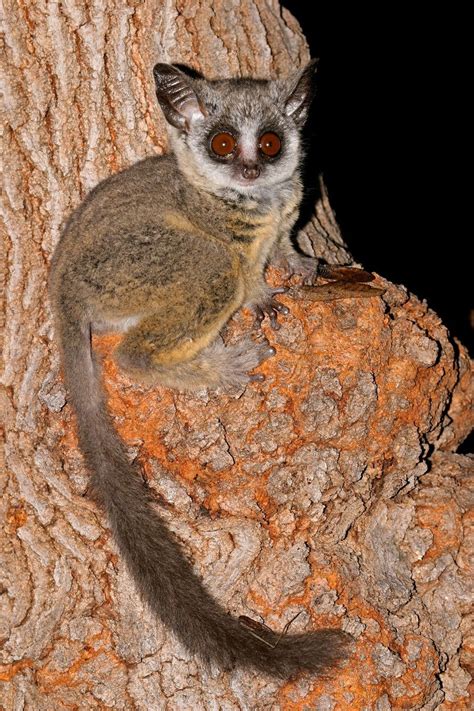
[385, 131]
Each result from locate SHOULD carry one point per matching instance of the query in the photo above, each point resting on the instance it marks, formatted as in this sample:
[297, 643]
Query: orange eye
[223, 144]
[270, 144]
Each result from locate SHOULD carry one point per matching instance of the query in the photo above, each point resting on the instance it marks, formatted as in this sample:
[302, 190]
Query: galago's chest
[255, 235]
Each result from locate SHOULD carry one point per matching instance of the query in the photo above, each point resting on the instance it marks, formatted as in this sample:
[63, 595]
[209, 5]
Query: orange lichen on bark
[350, 689]
[16, 517]
[438, 518]
[98, 645]
[324, 347]
[8, 671]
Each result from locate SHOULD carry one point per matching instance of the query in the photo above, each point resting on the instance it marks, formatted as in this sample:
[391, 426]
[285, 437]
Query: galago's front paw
[271, 307]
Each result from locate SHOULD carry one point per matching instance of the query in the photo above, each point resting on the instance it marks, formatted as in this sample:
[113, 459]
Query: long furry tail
[161, 572]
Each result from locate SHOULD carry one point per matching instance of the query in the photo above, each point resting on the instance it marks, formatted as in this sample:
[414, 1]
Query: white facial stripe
[248, 142]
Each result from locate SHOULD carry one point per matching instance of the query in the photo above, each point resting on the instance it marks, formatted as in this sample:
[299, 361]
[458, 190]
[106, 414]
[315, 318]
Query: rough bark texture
[331, 488]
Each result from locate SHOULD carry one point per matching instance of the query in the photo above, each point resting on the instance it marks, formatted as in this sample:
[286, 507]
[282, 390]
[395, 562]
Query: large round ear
[298, 92]
[176, 96]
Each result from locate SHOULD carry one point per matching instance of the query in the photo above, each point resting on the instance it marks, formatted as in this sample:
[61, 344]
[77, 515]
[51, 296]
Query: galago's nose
[250, 171]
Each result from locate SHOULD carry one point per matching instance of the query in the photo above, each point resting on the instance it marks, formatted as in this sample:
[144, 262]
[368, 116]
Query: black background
[383, 131]
[387, 132]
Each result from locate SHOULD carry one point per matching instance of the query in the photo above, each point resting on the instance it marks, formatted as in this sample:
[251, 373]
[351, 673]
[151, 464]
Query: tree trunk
[329, 489]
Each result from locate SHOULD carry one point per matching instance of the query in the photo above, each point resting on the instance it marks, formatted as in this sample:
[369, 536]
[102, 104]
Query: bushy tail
[161, 572]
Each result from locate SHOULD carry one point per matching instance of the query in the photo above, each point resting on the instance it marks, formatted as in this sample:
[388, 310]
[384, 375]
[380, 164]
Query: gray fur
[167, 251]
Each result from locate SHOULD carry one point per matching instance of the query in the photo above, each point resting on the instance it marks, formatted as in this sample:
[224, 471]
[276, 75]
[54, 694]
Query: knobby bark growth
[331, 488]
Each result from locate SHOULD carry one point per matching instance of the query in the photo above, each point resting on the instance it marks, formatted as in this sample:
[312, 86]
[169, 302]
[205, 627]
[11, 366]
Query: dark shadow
[312, 167]
[379, 136]
[467, 447]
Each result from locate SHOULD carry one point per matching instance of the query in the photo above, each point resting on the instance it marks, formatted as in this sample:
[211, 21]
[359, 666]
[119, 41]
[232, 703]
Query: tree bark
[330, 489]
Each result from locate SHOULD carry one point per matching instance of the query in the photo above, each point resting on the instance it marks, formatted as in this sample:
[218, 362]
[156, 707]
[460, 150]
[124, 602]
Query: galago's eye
[270, 144]
[223, 144]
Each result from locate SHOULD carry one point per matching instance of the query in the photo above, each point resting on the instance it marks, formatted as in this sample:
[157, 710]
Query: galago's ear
[176, 96]
[298, 92]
